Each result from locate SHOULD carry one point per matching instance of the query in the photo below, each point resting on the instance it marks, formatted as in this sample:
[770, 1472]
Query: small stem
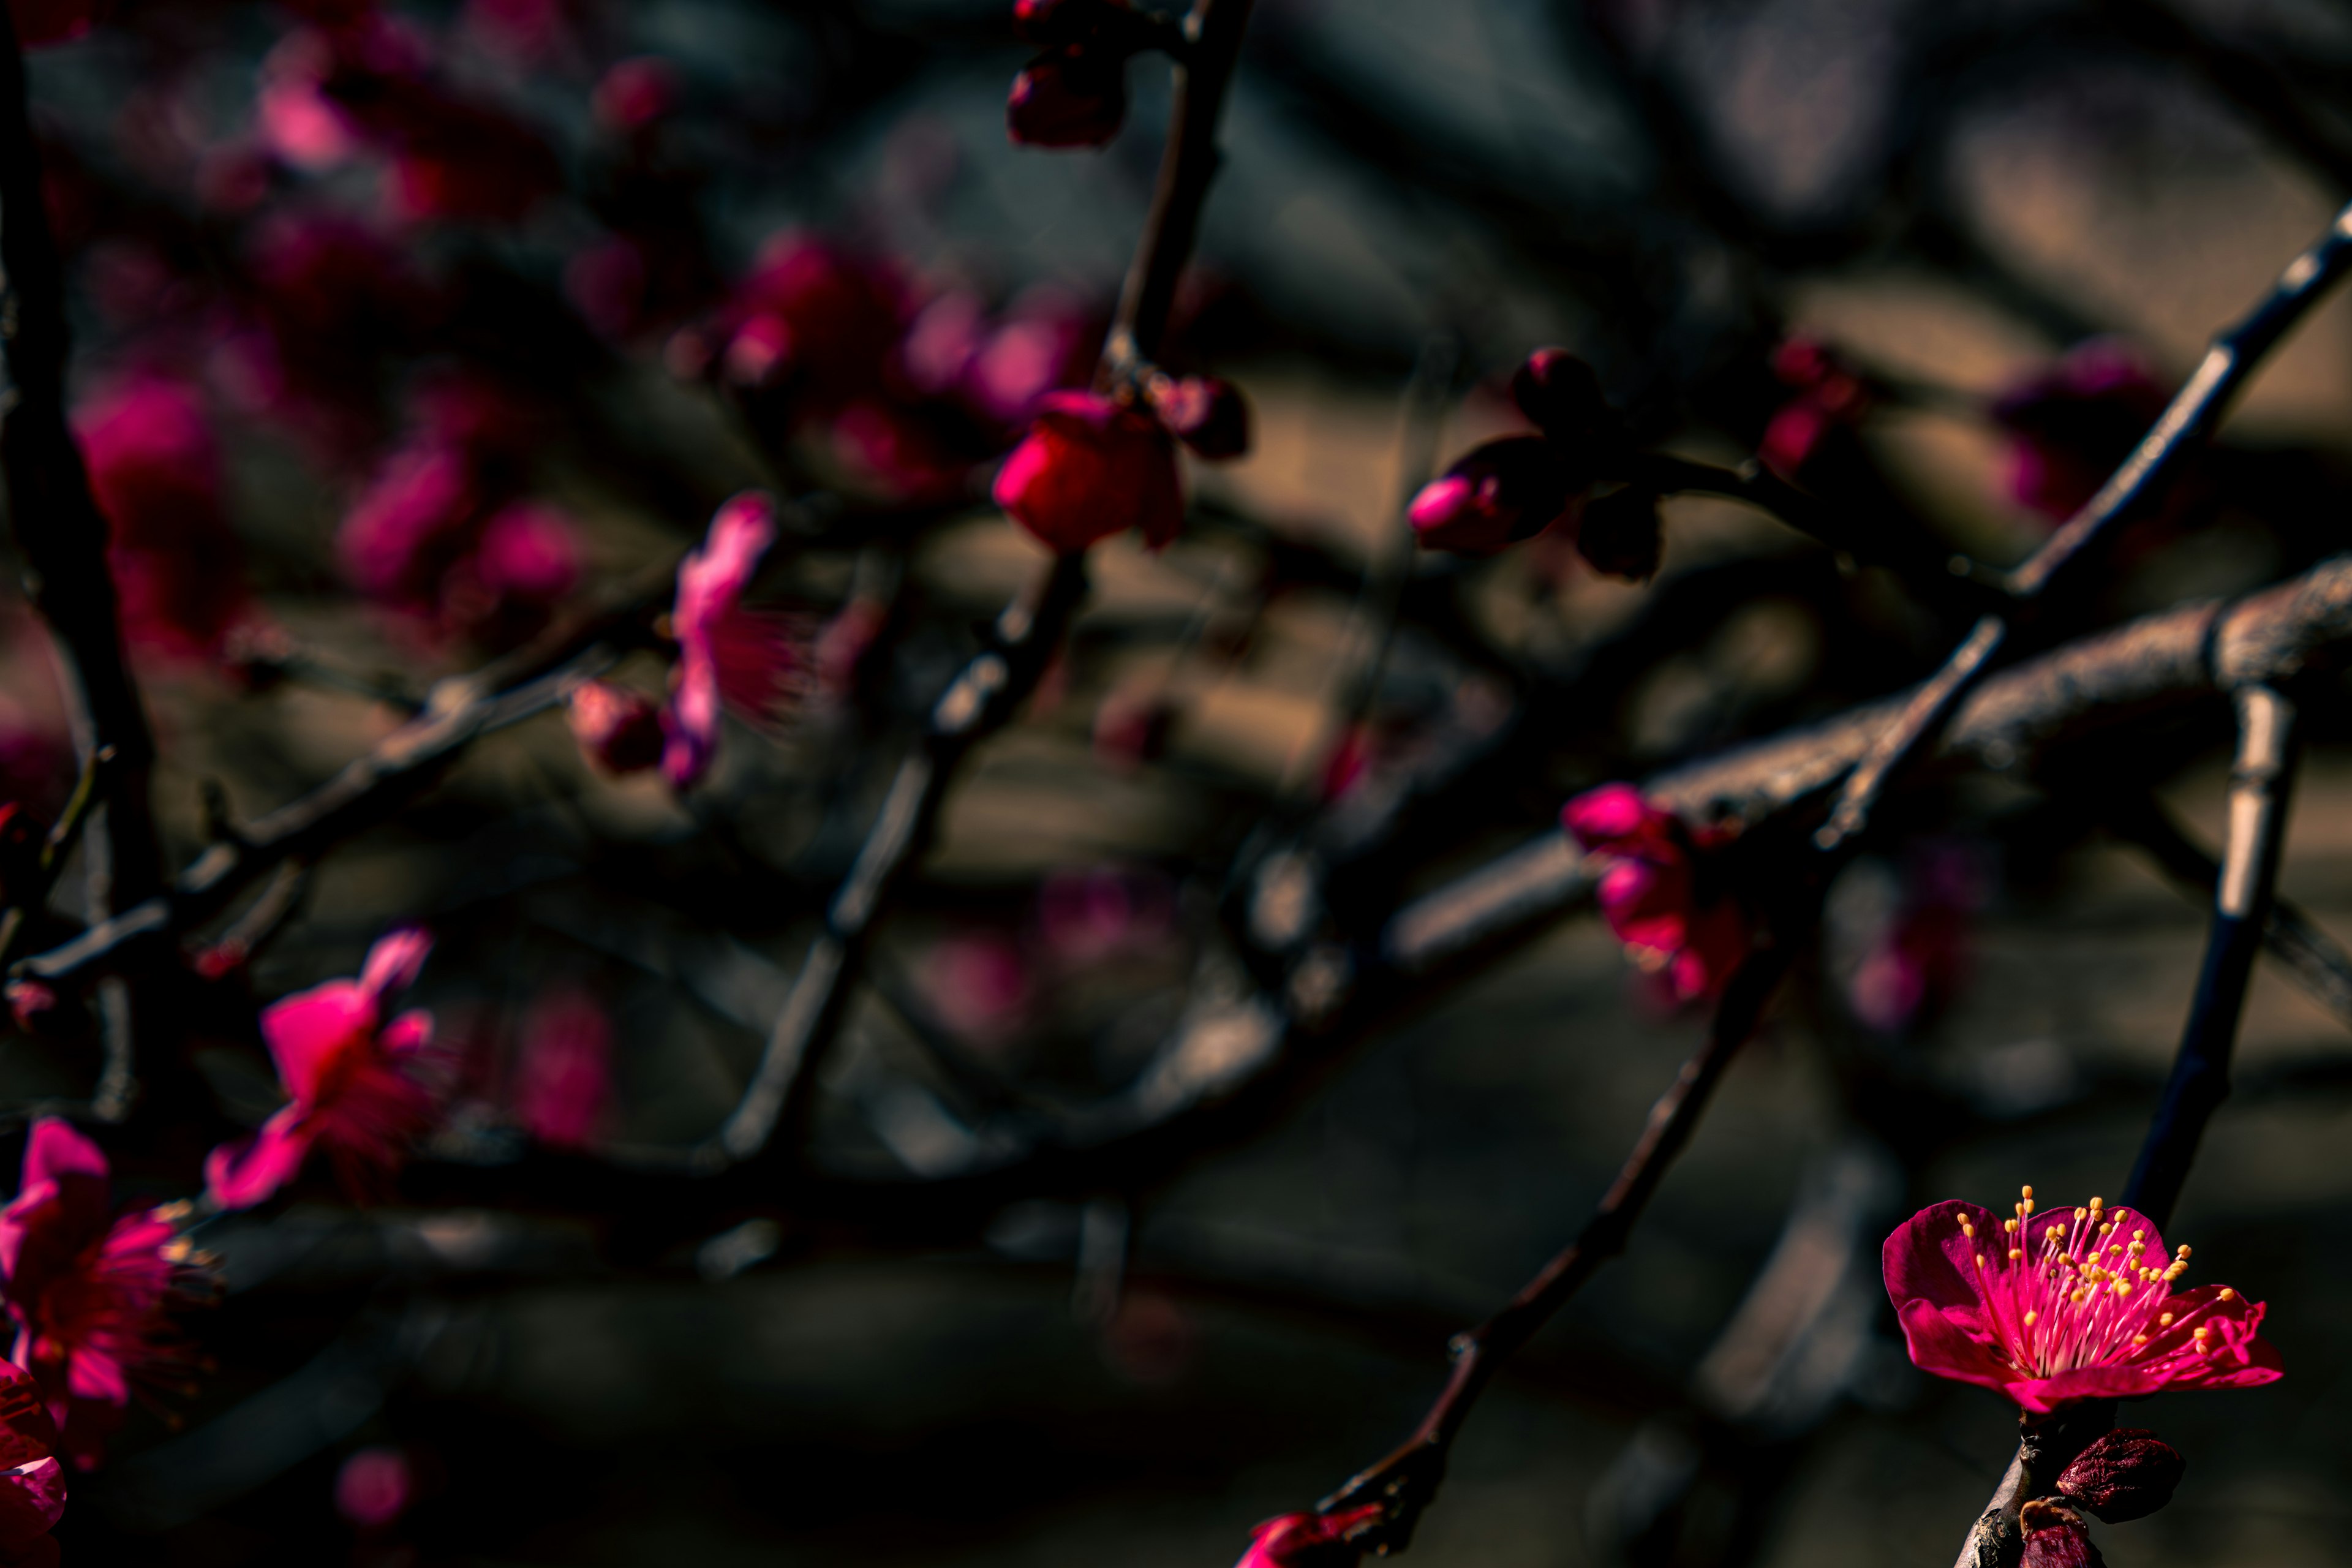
[2259, 787]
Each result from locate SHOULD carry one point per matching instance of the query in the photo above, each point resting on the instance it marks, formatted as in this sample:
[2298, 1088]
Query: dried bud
[2056, 1537]
[1065, 24]
[1502, 493]
[1619, 534]
[619, 728]
[1560, 394]
[1207, 415]
[2128, 1474]
[1072, 98]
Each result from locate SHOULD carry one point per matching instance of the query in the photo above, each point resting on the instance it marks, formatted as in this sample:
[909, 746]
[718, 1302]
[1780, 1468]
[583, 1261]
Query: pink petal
[241, 1174]
[409, 1035]
[55, 1150]
[1946, 1346]
[393, 961]
[1612, 812]
[690, 721]
[713, 578]
[1928, 1259]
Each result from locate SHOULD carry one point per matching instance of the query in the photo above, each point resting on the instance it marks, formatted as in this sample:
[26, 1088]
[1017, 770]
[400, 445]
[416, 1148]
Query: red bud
[1207, 415]
[1560, 394]
[1502, 493]
[1073, 98]
[2056, 1537]
[2128, 1474]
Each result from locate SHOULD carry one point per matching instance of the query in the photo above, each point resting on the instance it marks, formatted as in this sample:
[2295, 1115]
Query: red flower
[750, 660]
[1090, 467]
[155, 471]
[32, 1481]
[1650, 895]
[1309, 1539]
[2072, 1304]
[354, 1081]
[91, 1293]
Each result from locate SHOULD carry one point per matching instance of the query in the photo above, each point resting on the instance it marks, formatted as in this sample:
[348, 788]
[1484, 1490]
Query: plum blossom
[1652, 895]
[748, 658]
[619, 730]
[2073, 425]
[1091, 467]
[2070, 1304]
[91, 1292]
[1309, 1539]
[564, 1076]
[374, 1486]
[356, 1080]
[32, 1480]
[1830, 397]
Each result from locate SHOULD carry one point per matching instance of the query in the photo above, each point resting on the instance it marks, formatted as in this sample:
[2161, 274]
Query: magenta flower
[2072, 1304]
[750, 660]
[1650, 895]
[32, 1481]
[374, 1486]
[564, 1077]
[1090, 467]
[356, 1082]
[91, 1293]
[1309, 1539]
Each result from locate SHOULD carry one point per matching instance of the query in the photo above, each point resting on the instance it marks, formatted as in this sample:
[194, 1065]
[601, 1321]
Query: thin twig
[2259, 787]
[2185, 424]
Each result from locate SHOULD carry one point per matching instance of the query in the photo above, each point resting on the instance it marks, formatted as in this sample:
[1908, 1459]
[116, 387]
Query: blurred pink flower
[636, 94]
[32, 1481]
[1088, 915]
[2072, 1304]
[356, 1082]
[91, 1293]
[977, 983]
[1650, 894]
[374, 1486]
[1919, 957]
[155, 471]
[1090, 467]
[1309, 1539]
[620, 729]
[817, 313]
[1829, 396]
[564, 1076]
[750, 660]
[2075, 424]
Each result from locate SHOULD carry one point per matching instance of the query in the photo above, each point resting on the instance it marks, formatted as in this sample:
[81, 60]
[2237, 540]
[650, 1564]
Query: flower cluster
[1655, 894]
[2066, 1305]
[1074, 93]
[91, 1292]
[1516, 487]
[750, 660]
[358, 1086]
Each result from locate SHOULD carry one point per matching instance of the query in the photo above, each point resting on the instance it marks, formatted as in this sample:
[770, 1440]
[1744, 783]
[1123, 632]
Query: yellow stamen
[2228, 1294]
[2165, 1321]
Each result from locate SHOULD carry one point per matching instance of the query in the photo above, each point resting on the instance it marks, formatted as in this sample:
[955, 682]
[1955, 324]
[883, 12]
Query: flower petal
[308, 1030]
[239, 1175]
[393, 961]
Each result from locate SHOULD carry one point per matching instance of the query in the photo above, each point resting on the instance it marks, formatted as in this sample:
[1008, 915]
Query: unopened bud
[2128, 1474]
[1207, 415]
[2056, 1537]
[1071, 99]
[1502, 493]
[1560, 394]
[1619, 534]
[617, 728]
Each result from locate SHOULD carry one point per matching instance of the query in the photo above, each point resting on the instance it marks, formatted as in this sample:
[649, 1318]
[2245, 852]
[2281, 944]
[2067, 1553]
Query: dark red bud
[1207, 415]
[1560, 394]
[1619, 534]
[1502, 493]
[1074, 99]
[1064, 24]
[2056, 1537]
[2128, 1474]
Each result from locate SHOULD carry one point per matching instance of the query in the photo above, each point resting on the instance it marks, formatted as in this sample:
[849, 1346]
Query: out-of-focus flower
[32, 1480]
[1069, 97]
[816, 314]
[155, 471]
[374, 1486]
[636, 94]
[1501, 492]
[1651, 894]
[2073, 425]
[1044, 343]
[620, 729]
[1090, 467]
[91, 1293]
[1310, 1539]
[1918, 956]
[2127, 1474]
[1085, 916]
[978, 983]
[2072, 1304]
[40, 22]
[564, 1073]
[1829, 396]
[750, 660]
[1207, 415]
[356, 1082]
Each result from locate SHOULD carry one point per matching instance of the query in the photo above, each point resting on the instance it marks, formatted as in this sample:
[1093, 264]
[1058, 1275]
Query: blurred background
[403, 332]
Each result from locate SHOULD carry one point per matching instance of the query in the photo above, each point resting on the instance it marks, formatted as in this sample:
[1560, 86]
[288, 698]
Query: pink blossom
[563, 1078]
[355, 1081]
[32, 1481]
[725, 652]
[155, 471]
[1090, 467]
[978, 983]
[2070, 1304]
[1310, 1539]
[2073, 424]
[529, 550]
[374, 1486]
[1830, 397]
[1650, 893]
[91, 1292]
[818, 314]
